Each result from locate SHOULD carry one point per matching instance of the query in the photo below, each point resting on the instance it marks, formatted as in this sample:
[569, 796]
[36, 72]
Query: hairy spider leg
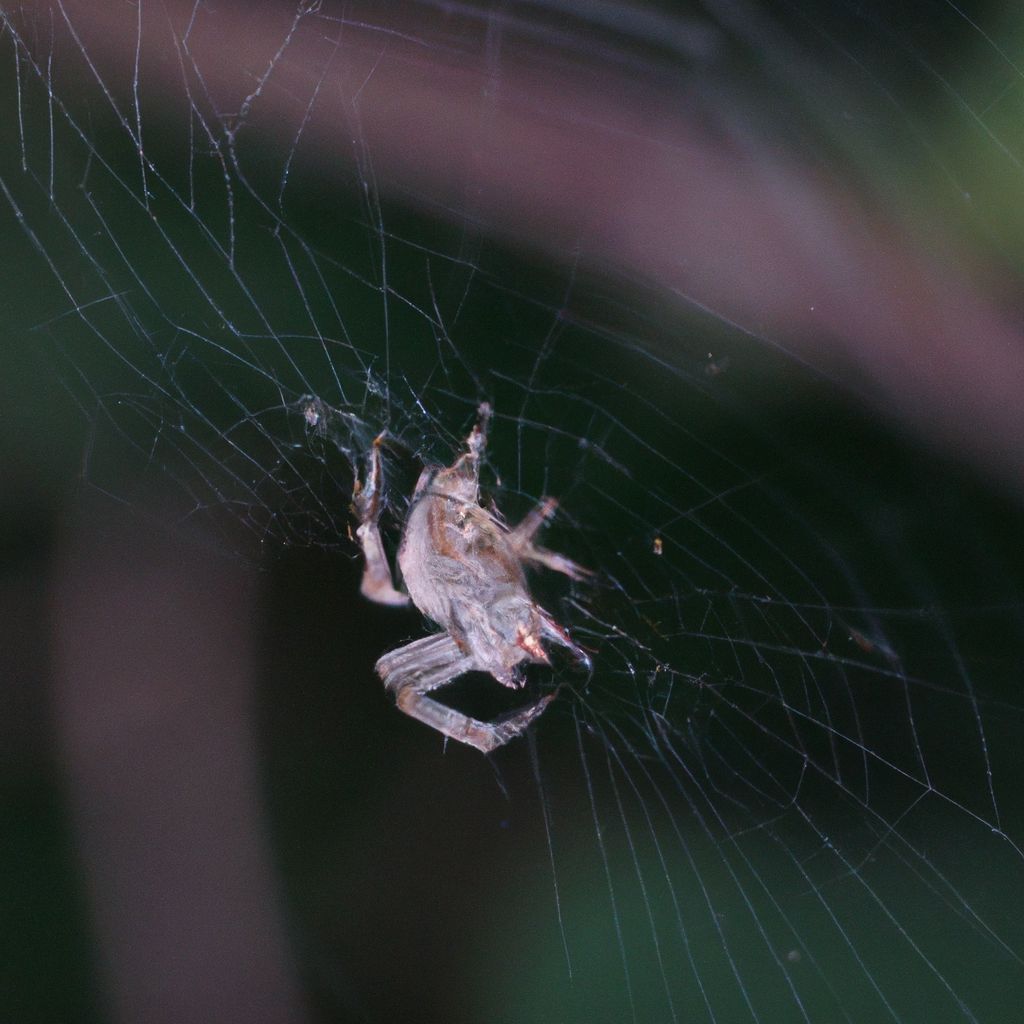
[466, 467]
[412, 671]
[522, 535]
[477, 440]
[378, 584]
[521, 539]
[553, 631]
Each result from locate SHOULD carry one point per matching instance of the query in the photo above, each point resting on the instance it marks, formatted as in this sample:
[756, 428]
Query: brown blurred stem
[573, 157]
[154, 706]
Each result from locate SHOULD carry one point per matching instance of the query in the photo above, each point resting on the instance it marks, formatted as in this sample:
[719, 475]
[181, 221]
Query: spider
[464, 569]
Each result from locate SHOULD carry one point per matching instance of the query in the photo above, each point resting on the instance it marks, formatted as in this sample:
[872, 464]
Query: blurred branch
[153, 697]
[597, 163]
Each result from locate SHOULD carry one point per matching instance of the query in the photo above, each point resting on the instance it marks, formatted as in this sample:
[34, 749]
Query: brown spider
[464, 569]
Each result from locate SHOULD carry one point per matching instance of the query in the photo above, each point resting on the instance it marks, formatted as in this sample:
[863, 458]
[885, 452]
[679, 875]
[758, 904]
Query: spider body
[465, 570]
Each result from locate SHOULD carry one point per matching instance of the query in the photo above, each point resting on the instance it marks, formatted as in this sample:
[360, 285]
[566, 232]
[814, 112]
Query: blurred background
[741, 282]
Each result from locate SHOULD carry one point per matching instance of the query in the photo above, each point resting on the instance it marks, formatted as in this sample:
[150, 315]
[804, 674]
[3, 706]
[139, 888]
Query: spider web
[790, 790]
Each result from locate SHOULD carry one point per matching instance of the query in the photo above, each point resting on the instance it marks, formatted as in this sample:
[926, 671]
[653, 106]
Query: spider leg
[467, 466]
[378, 584]
[477, 440]
[556, 562]
[522, 535]
[521, 539]
[554, 632]
[412, 671]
